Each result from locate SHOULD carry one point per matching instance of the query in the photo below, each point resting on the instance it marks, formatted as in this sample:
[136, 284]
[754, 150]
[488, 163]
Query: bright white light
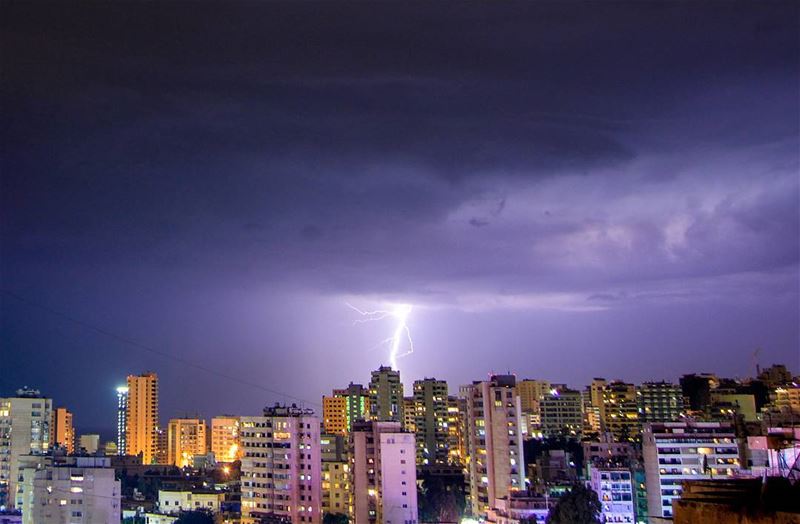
[400, 313]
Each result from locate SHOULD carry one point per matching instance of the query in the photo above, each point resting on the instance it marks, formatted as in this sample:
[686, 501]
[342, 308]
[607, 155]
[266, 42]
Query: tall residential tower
[225, 438]
[122, 420]
[281, 469]
[186, 439]
[386, 395]
[384, 474]
[659, 402]
[24, 430]
[141, 417]
[431, 421]
[494, 420]
[62, 430]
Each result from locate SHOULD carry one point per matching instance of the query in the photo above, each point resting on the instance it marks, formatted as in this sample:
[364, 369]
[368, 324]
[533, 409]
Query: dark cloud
[230, 173]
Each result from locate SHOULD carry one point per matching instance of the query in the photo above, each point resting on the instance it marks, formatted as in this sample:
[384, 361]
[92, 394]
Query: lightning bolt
[402, 332]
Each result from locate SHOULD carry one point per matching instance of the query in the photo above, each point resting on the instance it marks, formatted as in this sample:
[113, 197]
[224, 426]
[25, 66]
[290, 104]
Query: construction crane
[756, 353]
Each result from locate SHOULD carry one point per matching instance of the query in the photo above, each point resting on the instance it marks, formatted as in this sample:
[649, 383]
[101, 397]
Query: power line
[150, 349]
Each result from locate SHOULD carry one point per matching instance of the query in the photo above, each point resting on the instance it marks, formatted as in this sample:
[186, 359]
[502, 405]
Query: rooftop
[756, 495]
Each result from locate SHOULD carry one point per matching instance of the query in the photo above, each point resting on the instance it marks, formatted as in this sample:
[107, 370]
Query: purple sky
[562, 191]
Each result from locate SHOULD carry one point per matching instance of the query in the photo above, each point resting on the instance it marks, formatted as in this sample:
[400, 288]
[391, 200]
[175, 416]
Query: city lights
[225, 227]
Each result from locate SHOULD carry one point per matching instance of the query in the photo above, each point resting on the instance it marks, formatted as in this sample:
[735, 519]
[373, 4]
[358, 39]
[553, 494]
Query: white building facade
[24, 430]
[614, 488]
[384, 474]
[281, 470]
[494, 440]
[678, 451]
[81, 490]
[170, 501]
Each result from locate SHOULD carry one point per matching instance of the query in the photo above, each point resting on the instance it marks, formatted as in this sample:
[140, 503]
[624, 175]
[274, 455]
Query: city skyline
[512, 442]
[109, 432]
[603, 191]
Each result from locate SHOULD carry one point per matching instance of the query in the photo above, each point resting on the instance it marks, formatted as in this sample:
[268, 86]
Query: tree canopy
[579, 505]
[441, 499]
[335, 518]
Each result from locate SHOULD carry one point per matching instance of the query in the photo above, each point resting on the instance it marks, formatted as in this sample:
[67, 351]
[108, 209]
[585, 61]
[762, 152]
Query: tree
[195, 517]
[579, 505]
[441, 499]
[335, 518]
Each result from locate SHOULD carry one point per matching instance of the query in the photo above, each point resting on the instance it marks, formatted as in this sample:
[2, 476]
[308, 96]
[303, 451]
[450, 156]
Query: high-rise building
[787, 399]
[696, 391]
[409, 414]
[24, 430]
[621, 411]
[591, 414]
[142, 417]
[162, 446]
[456, 430]
[384, 473]
[496, 461]
[186, 439]
[776, 375]
[62, 430]
[386, 395]
[225, 439]
[562, 413]
[597, 414]
[678, 451]
[77, 490]
[122, 420]
[530, 393]
[431, 421]
[281, 466]
[89, 443]
[344, 407]
[334, 415]
[358, 407]
[336, 492]
[659, 402]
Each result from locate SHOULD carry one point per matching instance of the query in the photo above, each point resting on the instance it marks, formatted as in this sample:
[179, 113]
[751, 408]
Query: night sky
[562, 191]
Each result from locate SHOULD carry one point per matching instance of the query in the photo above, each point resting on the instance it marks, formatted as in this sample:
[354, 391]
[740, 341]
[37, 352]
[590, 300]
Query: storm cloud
[574, 177]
